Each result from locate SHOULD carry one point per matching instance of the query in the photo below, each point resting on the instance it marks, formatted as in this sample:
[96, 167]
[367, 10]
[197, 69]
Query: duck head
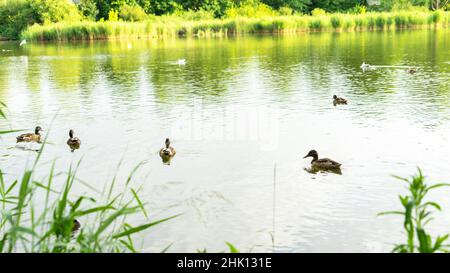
[313, 154]
[334, 97]
[71, 133]
[167, 143]
[37, 130]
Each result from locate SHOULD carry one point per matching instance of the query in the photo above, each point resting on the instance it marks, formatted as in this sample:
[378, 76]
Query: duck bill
[305, 156]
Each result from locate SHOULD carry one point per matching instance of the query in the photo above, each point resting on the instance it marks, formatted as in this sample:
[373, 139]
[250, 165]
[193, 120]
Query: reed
[172, 26]
[417, 213]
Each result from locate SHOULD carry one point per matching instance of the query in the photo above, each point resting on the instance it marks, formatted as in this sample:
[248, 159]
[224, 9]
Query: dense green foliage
[164, 27]
[417, 214]
[17, 15]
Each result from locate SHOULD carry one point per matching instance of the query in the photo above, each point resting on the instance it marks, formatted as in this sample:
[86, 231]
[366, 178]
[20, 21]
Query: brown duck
[324, 164]
[29, 137]
[338, 100]
[167, 153]
[73, 142]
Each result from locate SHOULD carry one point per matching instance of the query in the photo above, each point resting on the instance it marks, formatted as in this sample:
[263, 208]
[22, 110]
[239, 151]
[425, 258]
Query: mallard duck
[411, 71]
[73, 142]
[29, 137]
[337, 100]
[76, 226]
[167, 153]
[323, 163]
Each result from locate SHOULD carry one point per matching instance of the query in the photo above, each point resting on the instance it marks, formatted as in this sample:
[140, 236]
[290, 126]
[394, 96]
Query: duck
[324, 164]
[31, 137]
[73, 142]
[338, 100]
[365, 66]
[76, 226]
[411, 71]
[167, 153]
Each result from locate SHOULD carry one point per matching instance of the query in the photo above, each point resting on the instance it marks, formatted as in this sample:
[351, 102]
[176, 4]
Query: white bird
[181, 62]
[23, 42]
[365, 66]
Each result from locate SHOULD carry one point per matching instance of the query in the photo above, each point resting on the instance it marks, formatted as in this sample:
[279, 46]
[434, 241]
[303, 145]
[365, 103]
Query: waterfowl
[324, 164]
[167, 153]
[76, 226]
[73, 142]
[365, 66]
[29, 137]
[338, 100]
[411, 71]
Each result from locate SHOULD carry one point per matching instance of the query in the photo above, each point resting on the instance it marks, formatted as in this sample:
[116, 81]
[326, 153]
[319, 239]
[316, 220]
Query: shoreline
[217, 28]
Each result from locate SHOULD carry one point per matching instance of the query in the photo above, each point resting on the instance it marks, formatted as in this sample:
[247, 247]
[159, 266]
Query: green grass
[25, 227]
[172, 26]
[416, 215]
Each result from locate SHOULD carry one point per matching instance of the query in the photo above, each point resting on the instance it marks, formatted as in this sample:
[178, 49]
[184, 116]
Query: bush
[285, 11]
[192, 15]
[318, 12]
[132, 13]
[358, 9]
[252, 10]
[52, 11]
[113, 16]
[15, 16]
[88, 9]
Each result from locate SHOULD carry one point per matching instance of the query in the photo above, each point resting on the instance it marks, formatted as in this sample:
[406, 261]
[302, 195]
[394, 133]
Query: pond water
[241, 113]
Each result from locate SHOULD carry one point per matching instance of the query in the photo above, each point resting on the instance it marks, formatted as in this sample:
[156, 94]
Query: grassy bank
[167, 27]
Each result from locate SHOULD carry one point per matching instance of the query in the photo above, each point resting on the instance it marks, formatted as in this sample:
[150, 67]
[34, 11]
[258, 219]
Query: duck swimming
[73, 142]
[411, 71]
[167, 153]
[338, 100]
[76, 226]
[29, 137]
[323, 164]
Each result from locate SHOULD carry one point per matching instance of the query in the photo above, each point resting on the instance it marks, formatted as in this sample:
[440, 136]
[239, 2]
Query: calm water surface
[242, 113]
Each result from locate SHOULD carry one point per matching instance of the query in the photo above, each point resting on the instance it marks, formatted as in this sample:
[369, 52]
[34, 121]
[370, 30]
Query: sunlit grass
[417, 213]
[172, 26]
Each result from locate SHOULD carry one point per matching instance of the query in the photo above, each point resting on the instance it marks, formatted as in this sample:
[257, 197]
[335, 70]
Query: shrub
[195, 15]
[113, 16]
[358, 9]
[250, 9]
[88, 9]
[318, 12]
[52, 11]
[15, 16]
[285, 11]
[132, 13]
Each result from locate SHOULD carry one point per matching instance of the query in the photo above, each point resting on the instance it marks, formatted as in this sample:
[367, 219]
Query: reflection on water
[236, 108]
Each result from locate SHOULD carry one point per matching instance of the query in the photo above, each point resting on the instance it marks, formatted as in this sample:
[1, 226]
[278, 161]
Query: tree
[439, 4]
[297, 5]
[336, 5]
[51, 11]
[88, 9]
